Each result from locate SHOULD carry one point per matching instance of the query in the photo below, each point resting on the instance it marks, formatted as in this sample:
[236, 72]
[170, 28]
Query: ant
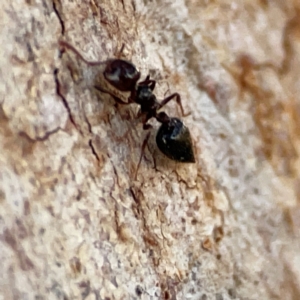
[173, 137]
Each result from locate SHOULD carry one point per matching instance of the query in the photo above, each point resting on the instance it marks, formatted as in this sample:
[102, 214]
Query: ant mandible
[173, 137]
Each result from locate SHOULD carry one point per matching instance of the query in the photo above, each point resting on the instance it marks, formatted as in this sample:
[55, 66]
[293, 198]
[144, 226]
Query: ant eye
[174, 140]
[121, 74]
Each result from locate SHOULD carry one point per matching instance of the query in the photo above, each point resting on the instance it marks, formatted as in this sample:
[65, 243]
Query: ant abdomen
[121, 74]
[174, 140]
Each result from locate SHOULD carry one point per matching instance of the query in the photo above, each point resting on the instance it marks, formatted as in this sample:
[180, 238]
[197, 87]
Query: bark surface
[74, 221]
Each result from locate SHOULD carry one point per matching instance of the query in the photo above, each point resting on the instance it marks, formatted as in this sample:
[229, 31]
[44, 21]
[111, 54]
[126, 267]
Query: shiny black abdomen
[174, 140]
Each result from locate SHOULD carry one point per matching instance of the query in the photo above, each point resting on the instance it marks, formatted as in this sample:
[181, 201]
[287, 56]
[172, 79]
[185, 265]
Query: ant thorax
[146, 98]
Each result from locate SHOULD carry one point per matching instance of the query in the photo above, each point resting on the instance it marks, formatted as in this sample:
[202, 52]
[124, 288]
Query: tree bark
[74, 221]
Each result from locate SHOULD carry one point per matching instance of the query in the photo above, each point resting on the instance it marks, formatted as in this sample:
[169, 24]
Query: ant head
[174, 140]
[121, 74]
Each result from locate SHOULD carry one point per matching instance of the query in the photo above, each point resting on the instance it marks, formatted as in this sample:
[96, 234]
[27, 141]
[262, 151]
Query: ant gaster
[173, 137]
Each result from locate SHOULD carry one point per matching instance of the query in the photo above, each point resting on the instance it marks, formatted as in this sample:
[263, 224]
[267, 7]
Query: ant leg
[142, 153]
[147, 126]
[65, 45]
[149, 82]
[152, 84]
[178, 100]
[68, 46]
[146, 79]
[118, 100]
[147, 117]
[168, 90]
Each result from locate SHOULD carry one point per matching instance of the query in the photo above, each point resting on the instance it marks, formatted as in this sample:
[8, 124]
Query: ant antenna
[66, 45]
[120, 52]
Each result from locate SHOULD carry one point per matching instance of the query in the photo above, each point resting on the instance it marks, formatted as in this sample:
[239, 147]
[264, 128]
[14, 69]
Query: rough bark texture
[75, 224]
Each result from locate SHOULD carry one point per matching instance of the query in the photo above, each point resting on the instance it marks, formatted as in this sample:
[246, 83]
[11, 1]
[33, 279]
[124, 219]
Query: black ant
[173, 137]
